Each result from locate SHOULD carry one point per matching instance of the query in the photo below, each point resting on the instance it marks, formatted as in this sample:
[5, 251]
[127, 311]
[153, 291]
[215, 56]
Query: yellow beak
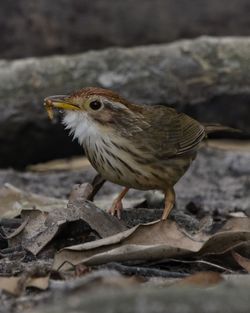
[59, 102]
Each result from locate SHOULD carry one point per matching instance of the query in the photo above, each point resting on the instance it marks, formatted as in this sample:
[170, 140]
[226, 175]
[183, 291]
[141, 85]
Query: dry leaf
[98, 220]
[16, 285]
[18, 230]
[14, 200]
[201, 279]
[43, 217]
[11, 285]
[42, 227]
[234, 232]
[242, 261]
[41, 283]
[36, 234]
[158, 240]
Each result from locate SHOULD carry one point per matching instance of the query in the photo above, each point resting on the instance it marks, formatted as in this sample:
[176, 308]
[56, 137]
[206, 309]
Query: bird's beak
[59, 102]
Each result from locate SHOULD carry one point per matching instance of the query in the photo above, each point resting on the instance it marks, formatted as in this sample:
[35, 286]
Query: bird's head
[94, 109]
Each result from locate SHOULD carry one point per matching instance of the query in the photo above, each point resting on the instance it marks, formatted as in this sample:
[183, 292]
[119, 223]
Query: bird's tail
[214, 128]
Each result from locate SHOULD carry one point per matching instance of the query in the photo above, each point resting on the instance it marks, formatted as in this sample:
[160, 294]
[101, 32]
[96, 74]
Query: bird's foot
[116, 209]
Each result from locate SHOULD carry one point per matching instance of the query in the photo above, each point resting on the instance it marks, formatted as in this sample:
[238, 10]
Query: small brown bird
[137, 146]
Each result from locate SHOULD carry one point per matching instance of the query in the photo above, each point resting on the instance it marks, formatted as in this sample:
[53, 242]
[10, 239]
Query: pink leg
[116, 207]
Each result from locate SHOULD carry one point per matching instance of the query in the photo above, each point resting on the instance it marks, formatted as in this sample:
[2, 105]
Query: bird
[144, 147]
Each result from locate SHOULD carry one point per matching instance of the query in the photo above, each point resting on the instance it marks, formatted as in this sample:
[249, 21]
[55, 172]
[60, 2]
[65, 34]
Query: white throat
[80, 126]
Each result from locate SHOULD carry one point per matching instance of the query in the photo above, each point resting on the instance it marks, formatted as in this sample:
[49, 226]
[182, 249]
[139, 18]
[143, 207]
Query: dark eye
[95, 105]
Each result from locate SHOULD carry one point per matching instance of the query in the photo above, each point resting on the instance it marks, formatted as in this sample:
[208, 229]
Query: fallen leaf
[201, 279]
[98, 220]
[18, 230]
[234, 232]
[14, 200]
[41, 283]
[36, 234]
[155, 241]
[43, 226]
[16, 285]
[11, 285]
[242, 261]
[44, 217]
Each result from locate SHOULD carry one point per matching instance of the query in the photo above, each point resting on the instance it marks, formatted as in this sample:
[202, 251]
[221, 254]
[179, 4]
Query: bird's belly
[124, 170]
[124, 173]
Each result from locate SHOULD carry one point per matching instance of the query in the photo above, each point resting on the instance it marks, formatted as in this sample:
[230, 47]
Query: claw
[117, 207]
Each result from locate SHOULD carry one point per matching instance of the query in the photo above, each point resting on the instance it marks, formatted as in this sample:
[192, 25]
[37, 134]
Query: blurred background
[38, 29]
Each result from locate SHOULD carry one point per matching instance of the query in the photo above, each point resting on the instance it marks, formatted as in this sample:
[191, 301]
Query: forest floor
[61, 252]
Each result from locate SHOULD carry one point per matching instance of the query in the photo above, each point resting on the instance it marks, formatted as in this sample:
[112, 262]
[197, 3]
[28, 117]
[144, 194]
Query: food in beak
[48, 104]
[58, 102]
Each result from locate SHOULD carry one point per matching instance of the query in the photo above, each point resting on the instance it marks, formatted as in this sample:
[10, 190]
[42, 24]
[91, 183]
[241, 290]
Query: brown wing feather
[191, 134]
[170, 133]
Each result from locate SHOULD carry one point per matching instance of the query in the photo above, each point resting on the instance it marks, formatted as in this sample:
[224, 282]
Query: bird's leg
[116, 207]
[169, 202]
[97, 184]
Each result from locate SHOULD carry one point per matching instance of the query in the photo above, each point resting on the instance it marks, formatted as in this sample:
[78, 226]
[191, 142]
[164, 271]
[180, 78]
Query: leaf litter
[243, 262]
[42, 225]
[36, 223]
[17, 285]
[154, 241]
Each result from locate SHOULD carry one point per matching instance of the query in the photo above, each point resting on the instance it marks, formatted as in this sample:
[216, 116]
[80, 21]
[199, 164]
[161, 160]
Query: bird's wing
[191, 134]
[172, 134]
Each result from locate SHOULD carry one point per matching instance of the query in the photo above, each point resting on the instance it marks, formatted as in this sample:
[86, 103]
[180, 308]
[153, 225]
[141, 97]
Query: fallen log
[208, 78]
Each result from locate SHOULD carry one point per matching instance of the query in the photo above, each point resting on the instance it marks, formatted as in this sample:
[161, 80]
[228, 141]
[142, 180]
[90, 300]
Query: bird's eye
[95, 105]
